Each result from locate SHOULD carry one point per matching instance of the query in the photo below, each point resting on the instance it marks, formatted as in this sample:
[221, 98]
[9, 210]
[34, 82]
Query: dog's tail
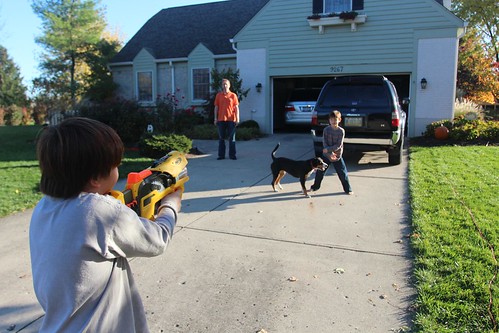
[275, 149]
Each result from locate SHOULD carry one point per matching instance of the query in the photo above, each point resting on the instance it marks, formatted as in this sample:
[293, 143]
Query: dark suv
[371, 114]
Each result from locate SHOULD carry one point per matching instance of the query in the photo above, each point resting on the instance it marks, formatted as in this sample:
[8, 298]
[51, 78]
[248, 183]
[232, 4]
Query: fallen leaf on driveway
[292, 279]
[339, 270]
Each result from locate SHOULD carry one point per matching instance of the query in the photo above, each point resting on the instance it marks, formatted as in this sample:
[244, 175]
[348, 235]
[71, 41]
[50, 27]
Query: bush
[156, 146]
[204, 132]
[126, 117]
[467, 107]
[130, 123]
[186, 120]
[249, 124]
[162, 116]
[245, 134]
[463, 129]
[430, 129]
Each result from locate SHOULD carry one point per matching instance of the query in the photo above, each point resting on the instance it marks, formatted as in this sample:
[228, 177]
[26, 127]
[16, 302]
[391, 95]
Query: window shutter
[357, 4]
[317, 7]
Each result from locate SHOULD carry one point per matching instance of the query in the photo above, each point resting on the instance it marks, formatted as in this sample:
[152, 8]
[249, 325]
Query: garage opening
[283, 89]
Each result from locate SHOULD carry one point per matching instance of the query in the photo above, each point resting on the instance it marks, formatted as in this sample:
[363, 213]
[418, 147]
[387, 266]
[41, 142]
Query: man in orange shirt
[226, 119]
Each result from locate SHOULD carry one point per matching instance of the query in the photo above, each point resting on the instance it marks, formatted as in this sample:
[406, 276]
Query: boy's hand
[333, 157]
[173, 199]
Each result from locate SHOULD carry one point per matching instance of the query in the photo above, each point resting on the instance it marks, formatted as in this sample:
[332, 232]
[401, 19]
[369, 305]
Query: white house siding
[384, 44]
[436, 102]
[252, 68]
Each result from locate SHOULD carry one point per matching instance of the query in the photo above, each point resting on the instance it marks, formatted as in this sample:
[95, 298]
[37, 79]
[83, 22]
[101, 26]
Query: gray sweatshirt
[81, 275]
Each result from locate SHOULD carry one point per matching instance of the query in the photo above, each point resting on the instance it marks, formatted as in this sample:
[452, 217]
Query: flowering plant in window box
[314, 17]
[331, 19]
[348, 15]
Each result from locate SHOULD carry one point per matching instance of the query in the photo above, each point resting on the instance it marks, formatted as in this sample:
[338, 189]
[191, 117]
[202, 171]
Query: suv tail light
[289, 108]
[314, 118]
[395, 118]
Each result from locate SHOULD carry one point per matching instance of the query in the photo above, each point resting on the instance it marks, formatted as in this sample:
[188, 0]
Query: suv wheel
[395, 154]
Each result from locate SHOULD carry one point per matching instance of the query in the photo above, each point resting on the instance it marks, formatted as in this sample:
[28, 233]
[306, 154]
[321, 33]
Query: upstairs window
[200, 83]
[336, 6]
[144, 86]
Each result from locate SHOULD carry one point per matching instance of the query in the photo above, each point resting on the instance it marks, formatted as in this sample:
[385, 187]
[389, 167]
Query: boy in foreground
[81, 237]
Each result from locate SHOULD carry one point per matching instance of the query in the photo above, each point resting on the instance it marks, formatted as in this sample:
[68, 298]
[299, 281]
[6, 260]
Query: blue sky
[19, 26]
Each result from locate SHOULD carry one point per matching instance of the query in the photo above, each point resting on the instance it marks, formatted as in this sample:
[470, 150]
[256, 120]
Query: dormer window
[336, 6]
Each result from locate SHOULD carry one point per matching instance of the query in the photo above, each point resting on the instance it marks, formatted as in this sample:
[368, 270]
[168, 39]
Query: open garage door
[283, 88]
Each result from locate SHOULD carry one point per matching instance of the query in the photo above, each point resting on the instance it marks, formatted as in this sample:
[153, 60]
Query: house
[284, 44]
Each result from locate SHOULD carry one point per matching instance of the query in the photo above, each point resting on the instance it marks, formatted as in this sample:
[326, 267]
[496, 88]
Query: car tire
[395, 154]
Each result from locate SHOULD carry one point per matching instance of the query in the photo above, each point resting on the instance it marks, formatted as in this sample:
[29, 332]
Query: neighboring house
[276, 44]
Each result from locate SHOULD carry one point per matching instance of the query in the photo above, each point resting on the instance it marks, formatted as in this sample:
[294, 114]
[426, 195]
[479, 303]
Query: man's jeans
[226, 129]
[341, 170]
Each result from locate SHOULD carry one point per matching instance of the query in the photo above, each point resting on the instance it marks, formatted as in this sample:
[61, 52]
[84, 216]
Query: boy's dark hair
[74, 152]
[335, 114]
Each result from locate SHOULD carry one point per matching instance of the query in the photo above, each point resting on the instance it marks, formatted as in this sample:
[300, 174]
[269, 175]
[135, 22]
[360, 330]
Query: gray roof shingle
[175, 32]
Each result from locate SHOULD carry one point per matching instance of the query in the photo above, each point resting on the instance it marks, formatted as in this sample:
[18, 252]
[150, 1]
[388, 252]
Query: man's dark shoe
[221, 158]
[233, 158]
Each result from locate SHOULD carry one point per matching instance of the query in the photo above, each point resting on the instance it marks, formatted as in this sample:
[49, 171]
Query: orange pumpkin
[441, 132]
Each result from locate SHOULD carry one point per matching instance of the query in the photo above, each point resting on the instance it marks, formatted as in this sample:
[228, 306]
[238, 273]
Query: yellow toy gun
[145, 189]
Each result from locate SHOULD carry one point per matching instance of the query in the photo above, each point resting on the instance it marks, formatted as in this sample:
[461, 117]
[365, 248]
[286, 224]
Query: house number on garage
[336, 69]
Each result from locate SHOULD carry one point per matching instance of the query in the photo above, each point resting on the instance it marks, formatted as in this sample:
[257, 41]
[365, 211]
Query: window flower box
[322, 22]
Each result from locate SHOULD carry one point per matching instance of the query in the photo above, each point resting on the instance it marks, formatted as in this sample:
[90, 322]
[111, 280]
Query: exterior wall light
[424, 83]
[258, 87]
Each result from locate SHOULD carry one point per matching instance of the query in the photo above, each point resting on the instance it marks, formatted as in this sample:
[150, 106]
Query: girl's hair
[74, 152]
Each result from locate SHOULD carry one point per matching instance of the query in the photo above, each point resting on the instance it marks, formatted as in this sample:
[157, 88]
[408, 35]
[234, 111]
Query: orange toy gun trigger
[145, 189]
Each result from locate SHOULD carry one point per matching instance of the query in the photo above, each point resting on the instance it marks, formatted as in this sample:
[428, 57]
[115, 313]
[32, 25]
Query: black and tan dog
[299, 169]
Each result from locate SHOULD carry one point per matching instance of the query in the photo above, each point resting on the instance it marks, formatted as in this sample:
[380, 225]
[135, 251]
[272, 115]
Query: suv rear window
[348, 95]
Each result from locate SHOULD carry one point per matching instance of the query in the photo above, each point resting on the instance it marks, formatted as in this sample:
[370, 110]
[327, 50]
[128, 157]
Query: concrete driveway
[246, 259]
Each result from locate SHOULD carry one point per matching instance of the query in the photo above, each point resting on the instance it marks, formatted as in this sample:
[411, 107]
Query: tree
[483, 15]
[12, 90]
[476, 78]
[478, 68]
[100, 84]
[70, 29]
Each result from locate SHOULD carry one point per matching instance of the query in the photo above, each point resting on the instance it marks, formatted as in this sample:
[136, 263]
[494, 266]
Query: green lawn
[21, 175]
[455, 205]
[454, 201]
